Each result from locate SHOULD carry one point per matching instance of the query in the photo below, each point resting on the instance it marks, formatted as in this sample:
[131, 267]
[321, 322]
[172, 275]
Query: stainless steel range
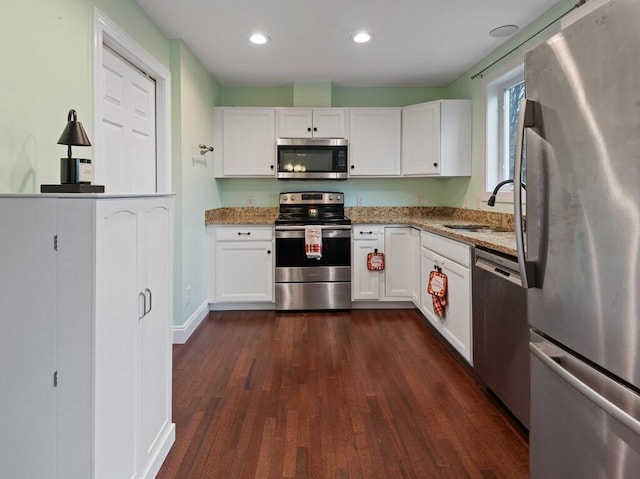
[305, 282]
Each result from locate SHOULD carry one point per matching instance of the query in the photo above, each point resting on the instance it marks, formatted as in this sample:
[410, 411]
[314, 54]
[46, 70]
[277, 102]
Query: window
[504, 95]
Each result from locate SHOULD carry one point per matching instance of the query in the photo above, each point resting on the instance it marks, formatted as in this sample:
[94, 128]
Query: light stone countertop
[430, 219]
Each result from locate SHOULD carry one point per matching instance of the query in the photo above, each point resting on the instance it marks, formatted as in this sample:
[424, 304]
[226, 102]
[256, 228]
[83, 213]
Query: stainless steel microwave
[311, 159]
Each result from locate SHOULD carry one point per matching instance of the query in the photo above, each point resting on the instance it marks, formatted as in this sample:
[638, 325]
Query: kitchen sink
[478, 228]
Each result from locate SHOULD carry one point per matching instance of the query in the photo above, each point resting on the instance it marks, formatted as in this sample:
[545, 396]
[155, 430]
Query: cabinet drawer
[368, 232]
[454, 250]
[244, 233]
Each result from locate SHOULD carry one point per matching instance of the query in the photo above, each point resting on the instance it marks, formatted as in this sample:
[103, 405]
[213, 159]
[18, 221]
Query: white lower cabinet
[366, 284]
[453, 259]
[112, 286]
[391, 284]
[243, 264]
[398, 278]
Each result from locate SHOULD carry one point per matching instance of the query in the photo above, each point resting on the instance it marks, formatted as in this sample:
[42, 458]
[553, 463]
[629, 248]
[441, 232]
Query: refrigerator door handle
[619, 397]
[526, 119]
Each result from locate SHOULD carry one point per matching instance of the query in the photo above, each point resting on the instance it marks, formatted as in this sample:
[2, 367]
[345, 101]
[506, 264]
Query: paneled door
[127, 127]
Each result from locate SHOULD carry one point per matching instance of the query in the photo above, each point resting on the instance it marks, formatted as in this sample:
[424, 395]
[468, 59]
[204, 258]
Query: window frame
[496, 126]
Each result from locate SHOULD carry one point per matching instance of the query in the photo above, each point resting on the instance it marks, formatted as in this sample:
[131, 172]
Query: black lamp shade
[74, 134]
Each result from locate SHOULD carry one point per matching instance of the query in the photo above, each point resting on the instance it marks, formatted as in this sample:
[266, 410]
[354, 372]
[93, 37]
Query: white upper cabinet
[436, 139]
[246, 139]
[374, 141]
[311, 123]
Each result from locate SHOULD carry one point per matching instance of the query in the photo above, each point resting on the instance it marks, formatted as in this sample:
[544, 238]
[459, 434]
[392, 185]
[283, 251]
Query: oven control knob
[330, 198]
[293, 197]
[285, 198]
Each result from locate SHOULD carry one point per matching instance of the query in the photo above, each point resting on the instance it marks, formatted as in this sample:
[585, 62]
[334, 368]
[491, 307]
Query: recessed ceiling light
[504, 31]
[259, 38]
[361, 37]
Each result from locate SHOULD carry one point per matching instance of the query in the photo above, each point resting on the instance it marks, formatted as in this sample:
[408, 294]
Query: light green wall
[383, 97]
[465, 87]
[312, 94]
[267, 96]
[194, 95]
[47, 68]
[340, 97]
[371, 191]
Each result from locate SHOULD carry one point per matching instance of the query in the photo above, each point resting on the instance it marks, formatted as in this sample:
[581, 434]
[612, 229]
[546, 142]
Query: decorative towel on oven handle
[313, 241]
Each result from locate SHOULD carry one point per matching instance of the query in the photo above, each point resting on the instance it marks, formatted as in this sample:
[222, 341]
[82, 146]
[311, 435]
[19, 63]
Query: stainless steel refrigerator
[580, 252]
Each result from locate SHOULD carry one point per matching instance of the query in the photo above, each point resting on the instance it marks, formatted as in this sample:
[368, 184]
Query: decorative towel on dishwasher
[313, 241]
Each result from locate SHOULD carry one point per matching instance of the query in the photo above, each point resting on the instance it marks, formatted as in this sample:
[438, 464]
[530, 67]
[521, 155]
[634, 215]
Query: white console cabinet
[86, 314]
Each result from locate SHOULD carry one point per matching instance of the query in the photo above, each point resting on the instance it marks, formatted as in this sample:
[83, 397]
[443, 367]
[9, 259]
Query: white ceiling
[426, 43]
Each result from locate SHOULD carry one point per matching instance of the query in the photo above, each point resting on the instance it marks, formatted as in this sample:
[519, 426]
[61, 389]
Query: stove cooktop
[312, 208]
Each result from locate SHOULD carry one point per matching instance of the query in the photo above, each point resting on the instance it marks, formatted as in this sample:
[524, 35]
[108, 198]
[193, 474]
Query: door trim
[105, 32]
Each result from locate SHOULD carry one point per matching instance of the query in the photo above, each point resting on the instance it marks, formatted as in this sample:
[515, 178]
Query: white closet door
[127, 128]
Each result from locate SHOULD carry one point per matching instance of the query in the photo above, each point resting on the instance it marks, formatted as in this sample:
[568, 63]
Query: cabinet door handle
[147, 290]
[268, 251]
[144, 305]
[271, 166]
[309, 129]
[435, 164]
[240, 233]
[353, 167]
[315, 128]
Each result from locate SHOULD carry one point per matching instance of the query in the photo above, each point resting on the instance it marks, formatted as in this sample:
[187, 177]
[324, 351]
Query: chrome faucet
[492, 199]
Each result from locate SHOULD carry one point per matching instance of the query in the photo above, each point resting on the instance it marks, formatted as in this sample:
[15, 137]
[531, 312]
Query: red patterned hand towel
[313, 241]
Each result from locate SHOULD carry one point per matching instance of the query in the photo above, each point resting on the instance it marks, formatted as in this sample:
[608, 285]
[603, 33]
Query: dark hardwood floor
[360, 394]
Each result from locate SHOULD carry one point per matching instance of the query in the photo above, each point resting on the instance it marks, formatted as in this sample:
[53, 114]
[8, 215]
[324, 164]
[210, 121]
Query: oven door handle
[301, 227]
[326, 233]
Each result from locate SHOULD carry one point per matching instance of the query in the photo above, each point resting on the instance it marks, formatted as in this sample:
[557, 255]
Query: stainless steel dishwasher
[501, 330]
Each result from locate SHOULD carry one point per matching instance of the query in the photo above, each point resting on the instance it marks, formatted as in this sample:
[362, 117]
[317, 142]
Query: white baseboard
[382, 305]
[266, 306]
[183, 332]
[167, 439]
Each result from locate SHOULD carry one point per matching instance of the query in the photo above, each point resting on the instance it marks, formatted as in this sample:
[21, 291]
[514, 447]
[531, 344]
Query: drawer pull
[240, 233]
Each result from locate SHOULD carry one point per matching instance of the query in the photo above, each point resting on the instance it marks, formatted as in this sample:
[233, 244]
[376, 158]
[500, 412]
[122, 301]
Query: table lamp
[75, 173]
[74, 170]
